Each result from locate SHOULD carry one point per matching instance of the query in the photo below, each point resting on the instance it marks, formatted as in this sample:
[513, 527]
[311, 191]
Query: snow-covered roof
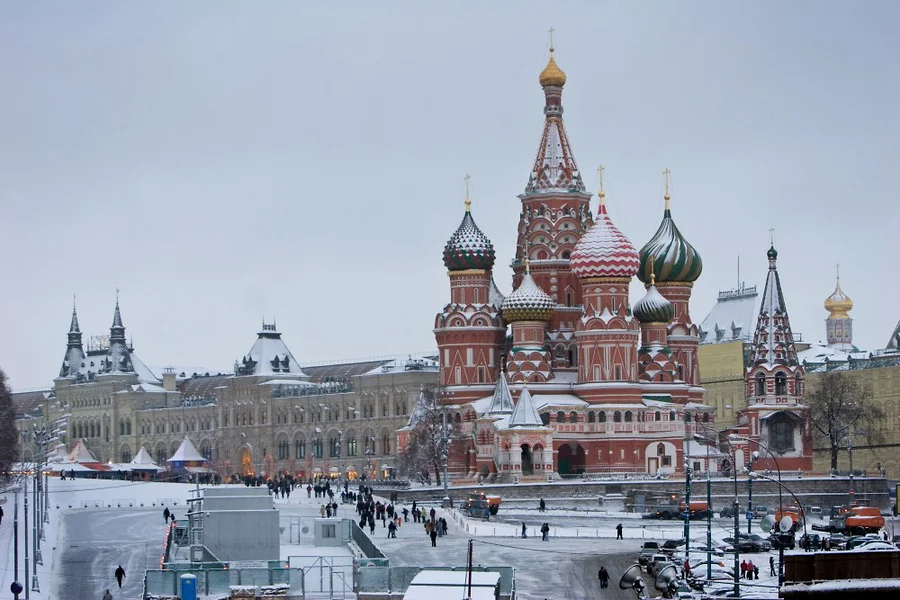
[80, 454]
[894, 342]
[697, 449]
[269, 356]
[411, 362]
[501, 401]
[820, 352]
[293, 382]
[143, 459]
[554, 400]
[186, 452]
[525, 414]
[732, 318]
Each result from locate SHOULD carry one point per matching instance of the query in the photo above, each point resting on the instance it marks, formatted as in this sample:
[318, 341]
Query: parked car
[746, 544]
[814, 512]
[728, 511]
[838, 541]
[647, 552]
[670, 546]
[875, 545]
[810, 541]
[655, 561]
[788, 539]
[760, 511]
[765, 544]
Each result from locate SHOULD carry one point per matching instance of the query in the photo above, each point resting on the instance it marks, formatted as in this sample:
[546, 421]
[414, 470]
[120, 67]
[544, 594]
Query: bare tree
[9, 438]
[429, 440]
[840, 408]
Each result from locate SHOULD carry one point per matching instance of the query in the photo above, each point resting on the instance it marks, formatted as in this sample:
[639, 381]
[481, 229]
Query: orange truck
[854, 520]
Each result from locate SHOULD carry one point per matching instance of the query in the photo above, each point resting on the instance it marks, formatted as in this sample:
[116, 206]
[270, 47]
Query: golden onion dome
[838, 303]
[552, 75]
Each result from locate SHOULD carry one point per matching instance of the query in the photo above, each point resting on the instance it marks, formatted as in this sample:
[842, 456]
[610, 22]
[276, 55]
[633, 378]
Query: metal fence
[396, 580]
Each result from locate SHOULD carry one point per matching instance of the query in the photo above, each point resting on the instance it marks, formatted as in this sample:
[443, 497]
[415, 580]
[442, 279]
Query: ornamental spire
[773, 341]
[74, 356]
[73, 327]
[554, 167]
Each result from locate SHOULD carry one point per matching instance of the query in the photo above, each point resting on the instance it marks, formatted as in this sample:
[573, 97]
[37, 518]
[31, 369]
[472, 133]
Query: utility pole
[687, 489]
[16, 538]
[737, 524]
[750, 494]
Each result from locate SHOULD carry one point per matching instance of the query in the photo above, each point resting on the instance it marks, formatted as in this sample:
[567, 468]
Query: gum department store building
[562, 376]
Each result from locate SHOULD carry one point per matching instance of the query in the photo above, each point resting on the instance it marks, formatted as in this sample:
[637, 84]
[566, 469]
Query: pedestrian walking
[545, 531]
[166, 515]
[603, 576]
[1, 515]
[743, 569]
[107, 595]
[433, 535]
[392, 530]
[619, 531]
[755, 571]
[120, 575]
[771, 566]
[542, 506]
[524, 531]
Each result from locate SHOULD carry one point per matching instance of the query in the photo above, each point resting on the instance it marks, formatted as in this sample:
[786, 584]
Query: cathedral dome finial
[604, 251]
[552, 75]
[468, 248]
[528, 302]
[674, 259]
[653, 307]
[838, 303]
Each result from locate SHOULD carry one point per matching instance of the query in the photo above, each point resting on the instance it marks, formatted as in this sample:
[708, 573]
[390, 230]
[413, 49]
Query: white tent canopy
[80, 454]
[143, 461]
[186, 452]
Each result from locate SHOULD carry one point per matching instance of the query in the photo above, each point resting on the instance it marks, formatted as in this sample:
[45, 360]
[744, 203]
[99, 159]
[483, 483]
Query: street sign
[749, 515]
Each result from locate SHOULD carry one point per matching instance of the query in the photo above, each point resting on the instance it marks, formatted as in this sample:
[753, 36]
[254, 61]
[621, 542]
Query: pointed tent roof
[80, 454]
[501, 401]
[186, 452]
[894, 342]
[525, 414]
[142, 459]
[773, 340]
[270, 356]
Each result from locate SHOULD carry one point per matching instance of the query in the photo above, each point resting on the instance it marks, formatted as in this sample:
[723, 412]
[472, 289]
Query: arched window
[628, 416]
[780, 383]
[573, 417]
[545, 418]
[560, 417]
[760, 384]
[386, 443]
[660, 449]
[300, 449]
[457, 418]
[126, 456]
[617, 417]
[570, 297]
[590, 417]
[573, 356]
[351, 446]
[601, 416]
[657, 416]
[798, 385]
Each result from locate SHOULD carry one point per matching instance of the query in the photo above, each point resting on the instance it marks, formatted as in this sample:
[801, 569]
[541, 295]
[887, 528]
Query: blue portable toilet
[188, 587]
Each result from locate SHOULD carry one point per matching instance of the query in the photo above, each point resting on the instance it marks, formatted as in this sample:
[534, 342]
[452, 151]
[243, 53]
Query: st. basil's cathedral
[585, 382]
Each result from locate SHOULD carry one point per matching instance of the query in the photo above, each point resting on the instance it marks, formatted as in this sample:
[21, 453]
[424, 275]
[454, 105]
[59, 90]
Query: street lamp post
[687, 489]
[737, 522]
[753, 456]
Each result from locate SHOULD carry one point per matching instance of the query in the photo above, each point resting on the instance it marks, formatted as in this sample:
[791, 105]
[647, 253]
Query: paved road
[95, 542]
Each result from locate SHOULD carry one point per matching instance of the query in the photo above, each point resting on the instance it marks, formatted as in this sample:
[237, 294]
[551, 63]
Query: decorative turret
[468, 248]
[606, 335]
[528, 302]
[677, 266]
[673, 258]
[74, 351]
[653, 307]
[470, 330]
[118, 356]
[839, 325]
[528, 309]
[552, 75]
[501, 401]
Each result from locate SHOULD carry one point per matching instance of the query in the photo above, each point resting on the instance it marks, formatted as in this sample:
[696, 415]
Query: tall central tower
[555, 214]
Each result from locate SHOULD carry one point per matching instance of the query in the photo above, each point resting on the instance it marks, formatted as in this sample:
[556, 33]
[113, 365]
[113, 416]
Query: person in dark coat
[619, 531]
[524, 530]
[545, 530]
[166, 515]
[771, 566]
[107, 595]
[120, 575]
[392, 530]
[603, 576]
[1, 514]
[433, 534]
[542, 506]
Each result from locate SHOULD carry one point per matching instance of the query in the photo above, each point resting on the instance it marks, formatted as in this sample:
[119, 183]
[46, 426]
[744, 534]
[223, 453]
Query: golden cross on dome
[601, 193]
[551, 39]
[666, 174]
[468, 201]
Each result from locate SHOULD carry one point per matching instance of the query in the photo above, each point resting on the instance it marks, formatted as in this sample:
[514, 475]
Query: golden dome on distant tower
[552, 75]
[838, 303]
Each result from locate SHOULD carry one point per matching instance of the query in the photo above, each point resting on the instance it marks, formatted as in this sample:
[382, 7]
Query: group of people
[545, 531]
[749, 570]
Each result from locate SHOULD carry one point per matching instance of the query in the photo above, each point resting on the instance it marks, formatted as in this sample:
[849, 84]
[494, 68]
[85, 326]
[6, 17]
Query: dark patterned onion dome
[469, 248]
[604, 251]
[653, 308]
[674, 259]
[528, 302]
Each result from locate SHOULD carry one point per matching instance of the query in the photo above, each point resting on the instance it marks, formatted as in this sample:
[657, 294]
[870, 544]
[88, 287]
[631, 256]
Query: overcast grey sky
[224, 161]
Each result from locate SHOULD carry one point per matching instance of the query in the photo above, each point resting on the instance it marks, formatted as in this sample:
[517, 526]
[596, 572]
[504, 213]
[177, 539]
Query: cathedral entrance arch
[527, 460]
[245, 457]
[571, 459]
